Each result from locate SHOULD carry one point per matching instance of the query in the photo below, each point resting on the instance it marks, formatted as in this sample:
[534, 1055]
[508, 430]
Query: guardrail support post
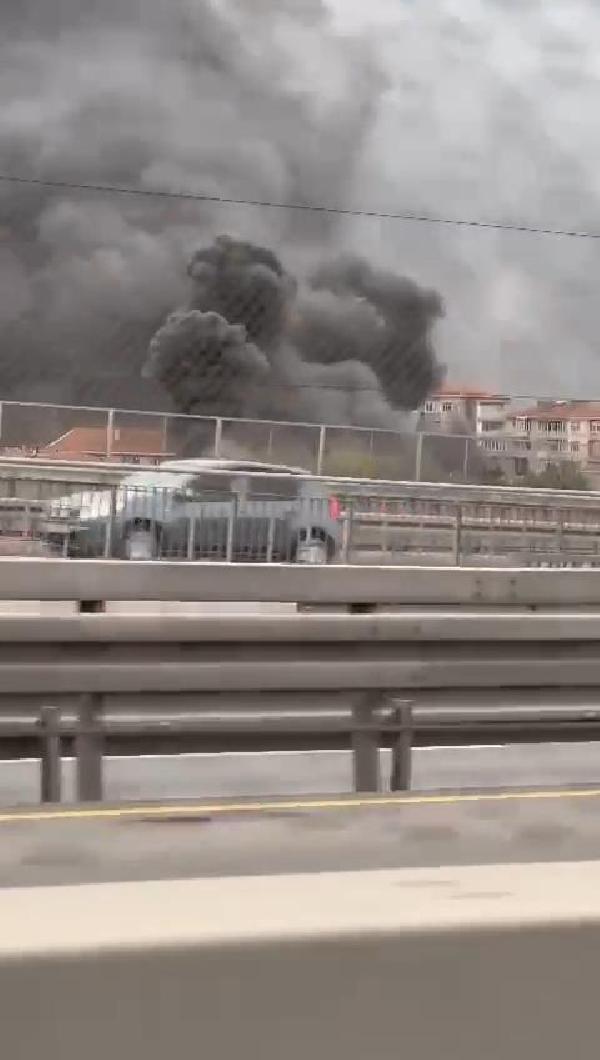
[400, 779]
[50, 754]
[88, 749]
[365, 744]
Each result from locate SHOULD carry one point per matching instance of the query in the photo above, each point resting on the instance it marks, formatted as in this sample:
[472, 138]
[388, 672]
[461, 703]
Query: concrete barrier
[475, 963]
[95, 581]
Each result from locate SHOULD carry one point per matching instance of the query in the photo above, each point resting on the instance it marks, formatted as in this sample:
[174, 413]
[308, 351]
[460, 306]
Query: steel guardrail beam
[344, 672]
[435, 626]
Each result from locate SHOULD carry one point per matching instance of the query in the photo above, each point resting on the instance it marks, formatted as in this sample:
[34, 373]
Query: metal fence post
[191, 538]
[88, 749]
[400, 778]
[365, 744]
[218, 437]
[270, 540]
[346, 542]
[419, 457]
[466, 460]
[110, 430]
[50, 754]
[110, 522]
[457, 535]
[231, 519]
[321, 449]
[560, 529]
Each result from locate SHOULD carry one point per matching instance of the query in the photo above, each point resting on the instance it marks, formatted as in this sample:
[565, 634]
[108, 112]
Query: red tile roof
[81, 443]
[467, 392]
[578, 410]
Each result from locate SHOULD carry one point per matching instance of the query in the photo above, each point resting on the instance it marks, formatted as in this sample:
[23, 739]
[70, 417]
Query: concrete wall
[489, 963]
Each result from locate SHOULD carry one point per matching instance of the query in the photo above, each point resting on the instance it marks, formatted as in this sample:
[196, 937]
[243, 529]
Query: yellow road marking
[148, 811]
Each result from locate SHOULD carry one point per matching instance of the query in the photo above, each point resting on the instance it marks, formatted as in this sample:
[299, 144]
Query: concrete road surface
[314, 772]
[260, 837]
[155, 835]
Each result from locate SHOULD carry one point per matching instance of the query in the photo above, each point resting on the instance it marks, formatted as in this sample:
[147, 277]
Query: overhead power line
[268, 204]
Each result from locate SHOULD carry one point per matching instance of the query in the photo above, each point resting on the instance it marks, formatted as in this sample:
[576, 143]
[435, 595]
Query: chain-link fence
[69, 433]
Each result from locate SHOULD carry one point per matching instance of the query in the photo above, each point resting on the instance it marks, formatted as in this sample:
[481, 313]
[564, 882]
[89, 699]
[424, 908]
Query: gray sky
[492, 113]
[476, 109]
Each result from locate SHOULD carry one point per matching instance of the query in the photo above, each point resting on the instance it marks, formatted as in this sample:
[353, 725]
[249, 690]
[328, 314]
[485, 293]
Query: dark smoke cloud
[261, 100]
[247, 284]
[205, 363]
[250, 344]
[376, 317]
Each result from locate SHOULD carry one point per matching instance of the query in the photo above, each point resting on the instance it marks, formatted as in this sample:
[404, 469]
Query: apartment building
[478, 411]
[553, 431]
[519, 440]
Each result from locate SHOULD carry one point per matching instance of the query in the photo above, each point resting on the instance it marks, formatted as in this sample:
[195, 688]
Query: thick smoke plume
[205, 363]
[352, 345]
[264, 100]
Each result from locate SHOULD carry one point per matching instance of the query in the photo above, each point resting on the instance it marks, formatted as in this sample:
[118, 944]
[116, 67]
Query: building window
[595, 426]
[494, 445]
[574, 447]
[492, 425]
[556, 446]
[552, 426]
[429, 406]
[446, 406]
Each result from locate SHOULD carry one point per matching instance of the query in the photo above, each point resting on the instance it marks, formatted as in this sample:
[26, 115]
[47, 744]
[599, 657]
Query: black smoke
[265, 101]
[206, 363]
[355, 311]
[351, 345]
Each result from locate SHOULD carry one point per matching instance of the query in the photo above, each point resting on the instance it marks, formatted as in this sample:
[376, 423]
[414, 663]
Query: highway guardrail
[456, 639]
